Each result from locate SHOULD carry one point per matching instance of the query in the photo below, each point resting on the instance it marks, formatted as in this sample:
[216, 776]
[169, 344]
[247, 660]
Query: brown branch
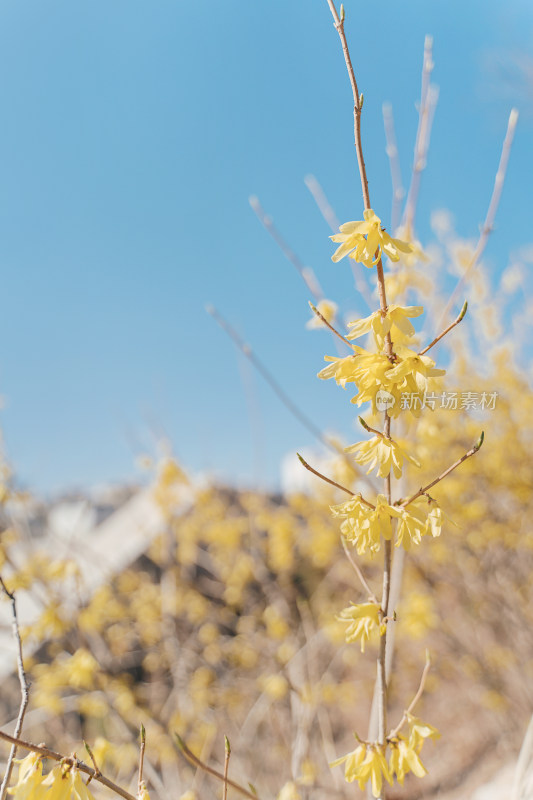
[141, 760]
[322, 318]
[227, 754]
[195, 761]
[446, 330]
[24, 689]
[371, 596]
[51, 754]
[415, 699]
[488, 225]
[331, 482]
[444, 474]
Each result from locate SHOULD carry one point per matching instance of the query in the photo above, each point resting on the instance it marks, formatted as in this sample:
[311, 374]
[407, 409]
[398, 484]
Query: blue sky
[132, 136]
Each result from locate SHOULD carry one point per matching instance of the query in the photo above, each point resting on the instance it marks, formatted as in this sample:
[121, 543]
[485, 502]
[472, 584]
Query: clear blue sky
[132, 134]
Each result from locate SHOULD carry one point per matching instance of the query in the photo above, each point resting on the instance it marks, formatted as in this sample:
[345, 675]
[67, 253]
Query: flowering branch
[446, 330]
[24, 688]
[75, 762]
[195, 761]
[425, 489]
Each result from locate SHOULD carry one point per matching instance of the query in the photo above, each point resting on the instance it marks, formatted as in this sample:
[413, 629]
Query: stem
[446, 472]
[195, 761]
[371, 596]
[415, 699]
[331, 482]
[227, 753]
[47, 753]
[488, 225]
[141, 759]
[24, 689]
[446, 330]
[322, 318]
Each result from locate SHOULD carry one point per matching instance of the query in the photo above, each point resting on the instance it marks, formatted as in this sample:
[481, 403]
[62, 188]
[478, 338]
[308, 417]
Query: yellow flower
[404, 759]
[413, 372]
[362, 621]
[30, 781]
[415, 522]
[383, 453]
[396, 318]
[363, 525]
[365, 241]
[420, 731]
[328, 309]
[366, 763]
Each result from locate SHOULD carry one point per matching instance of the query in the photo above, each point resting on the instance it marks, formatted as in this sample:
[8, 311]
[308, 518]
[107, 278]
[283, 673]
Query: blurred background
[132, 137]
[174, 564]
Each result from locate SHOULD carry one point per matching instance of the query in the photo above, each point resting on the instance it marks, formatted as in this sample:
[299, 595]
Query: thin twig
[306, 273]
[446, 330]
[488, 225]
[80, 765]
[247, 351]
[141, 759]
[331, 482]
[195, 761]
[371, 596]
[415, 699]
[398, 192]
[274, 385]
[428, 102]
[322, 318]
[425, 489]
[227, 754]
[95, 765]
[24, 690]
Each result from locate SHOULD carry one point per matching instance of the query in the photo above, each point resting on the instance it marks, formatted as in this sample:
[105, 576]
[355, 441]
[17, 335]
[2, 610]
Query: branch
[227, 754]
[51, 754]
[398, 192]
[195, 761]
[371, 596]
[415, 699]
[304, 463]
[141, 760]
[488, 225]
[322, 318]
[306, 273]
[428, 102]
[446, 330]
[443, 475]
[24, 689]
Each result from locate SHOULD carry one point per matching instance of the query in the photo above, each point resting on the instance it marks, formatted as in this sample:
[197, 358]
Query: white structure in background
[99, 552]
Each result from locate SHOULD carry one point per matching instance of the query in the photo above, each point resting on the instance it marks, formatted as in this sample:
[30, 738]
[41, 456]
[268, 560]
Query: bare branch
[24, 689]
[415, 699]
[488, 225]
[398, 192]
[322, 318]
[446, 330]
[371, 596]
[446, 472]
[304, 463]
[428, 101]
[195, 761]
[306, 273]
